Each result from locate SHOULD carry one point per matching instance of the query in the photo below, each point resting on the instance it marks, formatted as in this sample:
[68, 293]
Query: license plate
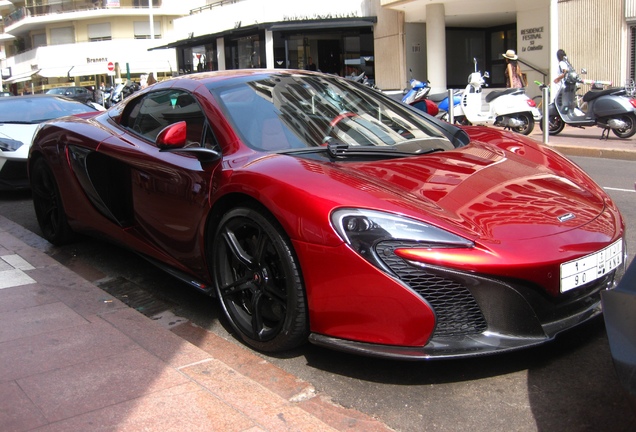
[591, 267]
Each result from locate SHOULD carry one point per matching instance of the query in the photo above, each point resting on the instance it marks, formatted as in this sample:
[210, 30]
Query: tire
[555, 124]
[630, 130]
[258, 281]
[528, 124]
[47, 203]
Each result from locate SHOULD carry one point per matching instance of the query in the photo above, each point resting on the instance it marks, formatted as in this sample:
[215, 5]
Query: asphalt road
[568, 385]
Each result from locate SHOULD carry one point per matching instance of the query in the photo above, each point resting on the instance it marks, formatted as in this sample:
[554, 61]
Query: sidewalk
[76, 359]
[587, 142]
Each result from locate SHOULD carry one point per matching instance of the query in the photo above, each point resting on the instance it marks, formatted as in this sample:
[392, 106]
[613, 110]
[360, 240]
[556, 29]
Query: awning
[301, 25]
[54, 72]
[24, 76]
[88, 69]
[324, 24]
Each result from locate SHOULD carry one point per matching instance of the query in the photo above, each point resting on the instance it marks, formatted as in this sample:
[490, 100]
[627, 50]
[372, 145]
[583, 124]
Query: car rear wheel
[48, 204]
[258, 281]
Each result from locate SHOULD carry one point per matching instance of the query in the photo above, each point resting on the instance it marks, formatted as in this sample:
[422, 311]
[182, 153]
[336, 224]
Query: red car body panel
[503, 191]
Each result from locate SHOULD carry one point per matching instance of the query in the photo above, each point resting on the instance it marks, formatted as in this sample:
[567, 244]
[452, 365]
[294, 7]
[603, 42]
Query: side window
[154, 111]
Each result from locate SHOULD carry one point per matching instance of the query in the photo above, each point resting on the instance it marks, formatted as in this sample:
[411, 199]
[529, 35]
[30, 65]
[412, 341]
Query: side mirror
[172, 139]
[486, 74]
[172, 136]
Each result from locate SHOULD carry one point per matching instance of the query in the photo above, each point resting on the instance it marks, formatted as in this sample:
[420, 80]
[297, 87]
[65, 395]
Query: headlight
[8, 144]
[363, 230]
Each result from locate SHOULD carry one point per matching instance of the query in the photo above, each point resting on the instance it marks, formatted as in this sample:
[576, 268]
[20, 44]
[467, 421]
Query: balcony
[67, 6]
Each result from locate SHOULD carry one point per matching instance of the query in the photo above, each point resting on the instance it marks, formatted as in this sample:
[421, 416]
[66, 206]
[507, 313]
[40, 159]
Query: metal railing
[58, 7]
[212, 5]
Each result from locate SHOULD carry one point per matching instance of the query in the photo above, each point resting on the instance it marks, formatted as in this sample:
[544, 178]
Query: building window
[39, 40]
[62, 35]
[99, 32]
[142, 29]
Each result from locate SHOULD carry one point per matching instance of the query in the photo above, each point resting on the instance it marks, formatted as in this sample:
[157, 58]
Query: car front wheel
[258, 280]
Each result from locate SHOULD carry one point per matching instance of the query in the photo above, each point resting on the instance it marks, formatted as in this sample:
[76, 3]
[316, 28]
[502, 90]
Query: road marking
[619, 189]
[11, 271]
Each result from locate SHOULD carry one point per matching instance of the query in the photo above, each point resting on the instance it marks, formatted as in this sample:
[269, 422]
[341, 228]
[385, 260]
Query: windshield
[36, 109]
[284, 112]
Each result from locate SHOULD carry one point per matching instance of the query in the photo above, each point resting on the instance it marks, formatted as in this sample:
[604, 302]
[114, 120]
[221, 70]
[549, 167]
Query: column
[436, 47]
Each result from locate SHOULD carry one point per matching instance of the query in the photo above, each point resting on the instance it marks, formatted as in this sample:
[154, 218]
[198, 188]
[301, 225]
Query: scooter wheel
[528, 124]
[630, 129]
[555, 124]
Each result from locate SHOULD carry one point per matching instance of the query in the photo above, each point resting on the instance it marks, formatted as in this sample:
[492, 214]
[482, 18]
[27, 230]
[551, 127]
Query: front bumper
[478, 315]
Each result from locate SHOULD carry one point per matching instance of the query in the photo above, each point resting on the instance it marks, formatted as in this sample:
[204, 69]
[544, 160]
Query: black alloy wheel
[528, 123]
[630, 128]
[47, 202]
[258, 281]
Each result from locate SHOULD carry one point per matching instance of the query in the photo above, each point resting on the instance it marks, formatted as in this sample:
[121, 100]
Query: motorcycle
[510, 108]
[610, 109]
[416, 96]
[115, 95]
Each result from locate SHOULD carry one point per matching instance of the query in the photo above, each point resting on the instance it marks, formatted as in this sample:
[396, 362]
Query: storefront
[338, 46]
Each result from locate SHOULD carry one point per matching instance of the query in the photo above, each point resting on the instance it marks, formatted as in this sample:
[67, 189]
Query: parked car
[81, 94]
[5, 94]
[316, 208]
[619, 312]
[19, 119]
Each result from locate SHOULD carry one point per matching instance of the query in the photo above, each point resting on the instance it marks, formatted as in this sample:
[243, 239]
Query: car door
[169, 191]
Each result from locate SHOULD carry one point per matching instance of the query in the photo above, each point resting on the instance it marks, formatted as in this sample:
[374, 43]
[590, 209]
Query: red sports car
[316, 208]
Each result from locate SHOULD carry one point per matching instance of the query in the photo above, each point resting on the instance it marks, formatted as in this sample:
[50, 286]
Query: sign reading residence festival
[531, 39]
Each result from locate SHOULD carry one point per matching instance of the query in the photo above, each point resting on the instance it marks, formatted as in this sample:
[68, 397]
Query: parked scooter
[441, 99]
[611, 109]
[510, 108]
[416, 96]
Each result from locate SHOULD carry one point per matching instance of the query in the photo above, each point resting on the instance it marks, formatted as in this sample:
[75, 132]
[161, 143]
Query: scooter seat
[495, 94]
[591, 95]
[438, 97]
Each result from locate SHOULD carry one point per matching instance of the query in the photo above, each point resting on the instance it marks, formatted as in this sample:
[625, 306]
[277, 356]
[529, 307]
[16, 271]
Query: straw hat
[510, 55]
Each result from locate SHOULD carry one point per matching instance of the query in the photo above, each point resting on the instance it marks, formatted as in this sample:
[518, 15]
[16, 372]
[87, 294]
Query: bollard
[545, 94]
[451, 107]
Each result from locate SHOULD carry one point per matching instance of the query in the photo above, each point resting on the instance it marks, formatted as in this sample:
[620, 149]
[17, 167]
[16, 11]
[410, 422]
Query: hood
[484, 191]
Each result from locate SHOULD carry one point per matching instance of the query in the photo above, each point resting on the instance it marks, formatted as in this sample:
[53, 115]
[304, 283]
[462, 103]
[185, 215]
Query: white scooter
[509, 108]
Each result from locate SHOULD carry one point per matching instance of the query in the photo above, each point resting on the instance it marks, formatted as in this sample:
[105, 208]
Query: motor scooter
[510, 108]
[416, 96]
[610, 109]
[441, 99]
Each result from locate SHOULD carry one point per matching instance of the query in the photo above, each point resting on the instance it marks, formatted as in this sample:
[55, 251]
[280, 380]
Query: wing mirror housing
[172, 136]
[172, 139]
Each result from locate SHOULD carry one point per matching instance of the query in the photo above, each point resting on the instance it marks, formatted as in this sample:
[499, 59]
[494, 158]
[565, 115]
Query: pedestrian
[514, 77]
[151, 79]
[311, 66]
[564, 68]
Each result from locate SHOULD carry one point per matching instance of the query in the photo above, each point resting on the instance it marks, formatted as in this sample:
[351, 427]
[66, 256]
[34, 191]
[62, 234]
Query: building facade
[51, 43]
[85, 42]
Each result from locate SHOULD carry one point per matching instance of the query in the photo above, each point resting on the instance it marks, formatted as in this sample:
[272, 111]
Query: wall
[594, 35]
[533, 46]
[416, 63]
[389, 47]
